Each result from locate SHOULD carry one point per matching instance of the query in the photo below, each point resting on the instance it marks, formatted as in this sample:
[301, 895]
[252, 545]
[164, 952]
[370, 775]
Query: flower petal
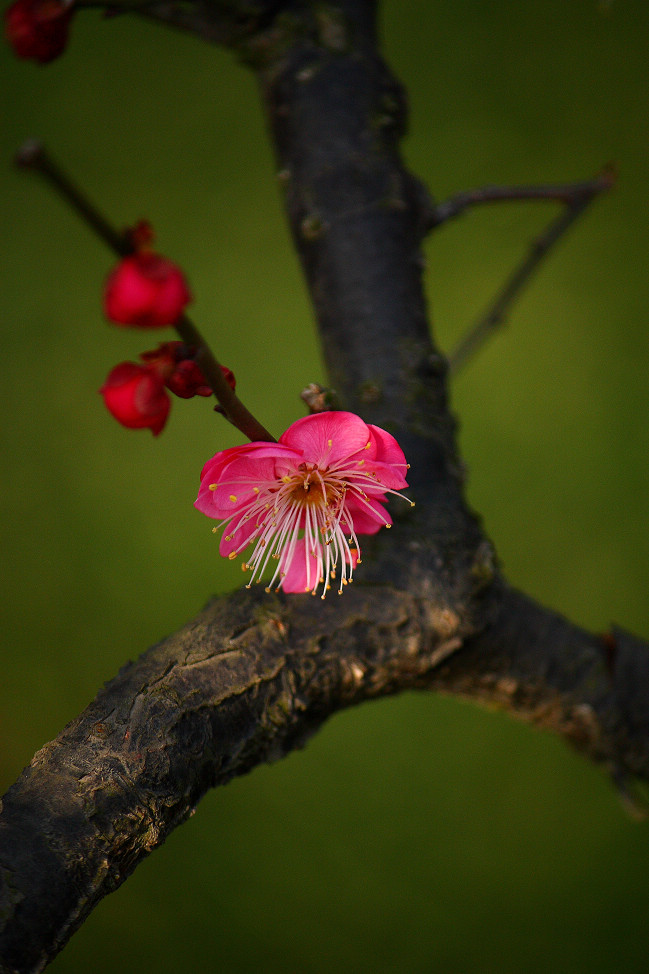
[327, 438]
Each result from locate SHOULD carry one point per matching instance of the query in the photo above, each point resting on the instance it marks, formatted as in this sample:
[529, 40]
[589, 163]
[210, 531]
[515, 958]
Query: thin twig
[575, 196]
[32, 155]
[568, 193]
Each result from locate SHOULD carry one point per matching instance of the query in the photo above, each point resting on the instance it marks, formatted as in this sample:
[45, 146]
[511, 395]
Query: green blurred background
[414, 834]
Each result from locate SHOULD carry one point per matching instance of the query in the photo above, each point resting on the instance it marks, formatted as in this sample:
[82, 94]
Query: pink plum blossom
[304, 500]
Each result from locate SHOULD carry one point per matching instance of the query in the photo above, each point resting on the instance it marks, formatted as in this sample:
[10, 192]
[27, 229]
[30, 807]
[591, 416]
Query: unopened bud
[145, 290]
[38, 29]
[135, 395]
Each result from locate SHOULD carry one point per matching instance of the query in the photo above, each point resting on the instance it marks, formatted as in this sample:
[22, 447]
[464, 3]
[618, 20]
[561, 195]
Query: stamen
[213, 486]
[233, 497]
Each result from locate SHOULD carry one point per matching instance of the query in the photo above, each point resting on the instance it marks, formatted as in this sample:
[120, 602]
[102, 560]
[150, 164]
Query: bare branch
[575, 196]
[569, 193]
[248, 680]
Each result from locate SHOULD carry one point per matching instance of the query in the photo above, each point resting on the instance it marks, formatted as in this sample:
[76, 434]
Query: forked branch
[576, 197]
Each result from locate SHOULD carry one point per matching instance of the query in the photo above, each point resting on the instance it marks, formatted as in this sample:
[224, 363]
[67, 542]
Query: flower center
[314, 488]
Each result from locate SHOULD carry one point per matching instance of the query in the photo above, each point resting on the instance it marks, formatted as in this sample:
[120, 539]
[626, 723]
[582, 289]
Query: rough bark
[255, 674]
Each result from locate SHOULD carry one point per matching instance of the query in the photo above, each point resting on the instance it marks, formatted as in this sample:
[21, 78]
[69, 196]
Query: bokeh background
[414, 834]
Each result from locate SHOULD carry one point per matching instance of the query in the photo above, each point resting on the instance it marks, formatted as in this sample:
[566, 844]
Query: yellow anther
[286, 479]
[255, 490]
[213, 486]
[233, 497]
[232, 555]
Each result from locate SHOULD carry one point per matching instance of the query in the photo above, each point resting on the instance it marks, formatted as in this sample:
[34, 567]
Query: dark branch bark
[254, 675]
[247, 681]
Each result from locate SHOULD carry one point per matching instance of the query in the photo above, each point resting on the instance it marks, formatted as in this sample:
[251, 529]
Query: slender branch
[233, 409]
[575, 196]
[33, 155]
[568, 193]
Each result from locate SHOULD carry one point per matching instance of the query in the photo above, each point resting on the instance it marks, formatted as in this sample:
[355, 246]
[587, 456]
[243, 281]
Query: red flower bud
[38, 29]
[135, 395]
[187, 380]
[164, 358]
[174, 362]
[145, 290]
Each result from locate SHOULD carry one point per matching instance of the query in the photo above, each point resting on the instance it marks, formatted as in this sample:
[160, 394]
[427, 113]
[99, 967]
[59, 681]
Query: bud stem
[32, 155]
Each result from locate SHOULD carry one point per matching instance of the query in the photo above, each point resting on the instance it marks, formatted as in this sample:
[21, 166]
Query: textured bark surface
[255, 674]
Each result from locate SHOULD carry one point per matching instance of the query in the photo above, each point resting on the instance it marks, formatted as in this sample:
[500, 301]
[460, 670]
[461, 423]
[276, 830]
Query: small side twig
[32, 155]
[575, 196]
